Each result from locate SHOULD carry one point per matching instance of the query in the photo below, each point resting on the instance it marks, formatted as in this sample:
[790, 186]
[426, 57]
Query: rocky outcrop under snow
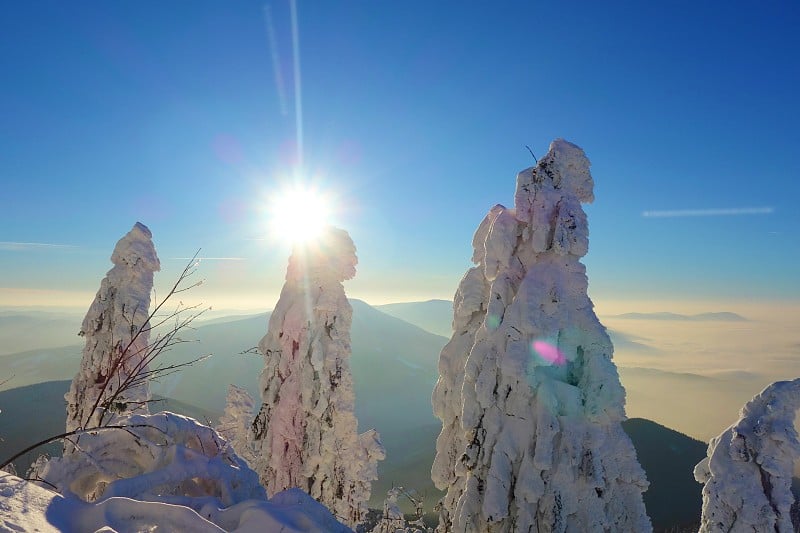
[305, 434]
[748, 471]
[529, 398]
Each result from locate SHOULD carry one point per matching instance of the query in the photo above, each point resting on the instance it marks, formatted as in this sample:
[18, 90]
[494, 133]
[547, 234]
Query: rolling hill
[435, 316]
[394, 367]
[673, 501]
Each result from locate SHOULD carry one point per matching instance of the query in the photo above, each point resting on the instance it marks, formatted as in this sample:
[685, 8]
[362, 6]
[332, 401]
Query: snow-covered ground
[27, 507]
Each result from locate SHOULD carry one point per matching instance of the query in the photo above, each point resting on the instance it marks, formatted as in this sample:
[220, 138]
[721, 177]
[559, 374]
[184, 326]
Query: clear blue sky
[416, 114]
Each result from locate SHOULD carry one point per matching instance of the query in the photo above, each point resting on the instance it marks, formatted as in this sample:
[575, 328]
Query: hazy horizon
[691, 376]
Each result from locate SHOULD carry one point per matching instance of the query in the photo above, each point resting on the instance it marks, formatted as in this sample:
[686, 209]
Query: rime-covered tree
[114, 364]
[469, 313]
[305, 434]
[748, 471]
[530, 401]
[234, 424]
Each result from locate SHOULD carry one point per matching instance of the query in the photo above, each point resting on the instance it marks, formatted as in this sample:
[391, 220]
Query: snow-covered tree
[394, 521]
[234, 424]
[392, 518]
[117, 335]
[530, 401]
[469, 314]
[749, 467]
[305, 434]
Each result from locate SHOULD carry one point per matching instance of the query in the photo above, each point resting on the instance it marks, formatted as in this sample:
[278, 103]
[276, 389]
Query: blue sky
[415, 114]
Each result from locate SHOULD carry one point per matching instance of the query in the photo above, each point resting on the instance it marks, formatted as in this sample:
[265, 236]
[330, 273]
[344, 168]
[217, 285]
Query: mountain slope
[35, 412]
[435, 316]
[394, 367]
[674, 498]
[35, 330]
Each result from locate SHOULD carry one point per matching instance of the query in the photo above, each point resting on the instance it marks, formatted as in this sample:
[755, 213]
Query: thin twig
[531, 151]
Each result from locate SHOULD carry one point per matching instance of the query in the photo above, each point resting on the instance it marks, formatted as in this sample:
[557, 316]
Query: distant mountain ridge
[723, 316]
[27, 330]
[394, 365]
[435, 316]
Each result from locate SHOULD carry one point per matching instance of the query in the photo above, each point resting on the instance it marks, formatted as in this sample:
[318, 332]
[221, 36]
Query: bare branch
[156, 347]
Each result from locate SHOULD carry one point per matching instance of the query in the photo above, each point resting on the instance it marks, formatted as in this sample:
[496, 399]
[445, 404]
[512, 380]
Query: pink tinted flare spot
[549, 353]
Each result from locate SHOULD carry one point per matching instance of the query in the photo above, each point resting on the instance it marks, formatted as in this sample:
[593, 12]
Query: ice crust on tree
[305, 433]
[748, 471]
[530, 402]
[117, 334]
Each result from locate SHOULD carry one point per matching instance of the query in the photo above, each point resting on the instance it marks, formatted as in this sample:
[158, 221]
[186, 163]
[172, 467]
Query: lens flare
[299, 214]
[549, 352]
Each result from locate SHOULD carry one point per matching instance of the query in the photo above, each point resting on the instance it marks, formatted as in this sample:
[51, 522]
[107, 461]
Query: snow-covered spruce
[749, 467]
[234, 424]
[531, 437]
[305, 434]
[117, 336]
[392, 519]
[469, 313]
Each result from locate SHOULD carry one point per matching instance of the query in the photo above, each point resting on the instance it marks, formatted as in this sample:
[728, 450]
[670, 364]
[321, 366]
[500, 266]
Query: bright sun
[298, 214]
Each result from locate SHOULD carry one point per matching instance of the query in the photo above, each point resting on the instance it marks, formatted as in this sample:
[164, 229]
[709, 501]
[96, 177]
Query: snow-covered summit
[530, 401]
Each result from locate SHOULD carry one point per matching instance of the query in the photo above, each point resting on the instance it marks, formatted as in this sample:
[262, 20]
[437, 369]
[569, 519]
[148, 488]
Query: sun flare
[299, 214]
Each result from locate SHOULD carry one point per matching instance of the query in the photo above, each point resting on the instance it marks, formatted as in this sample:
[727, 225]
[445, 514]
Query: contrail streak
[209, 258]
[9, 246]
[276, 63]
[298, 88]
[710, 212]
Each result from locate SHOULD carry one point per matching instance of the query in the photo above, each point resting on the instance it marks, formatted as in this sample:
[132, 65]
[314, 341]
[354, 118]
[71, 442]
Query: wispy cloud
[733, 211]
[9, 246]
[209, 258]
